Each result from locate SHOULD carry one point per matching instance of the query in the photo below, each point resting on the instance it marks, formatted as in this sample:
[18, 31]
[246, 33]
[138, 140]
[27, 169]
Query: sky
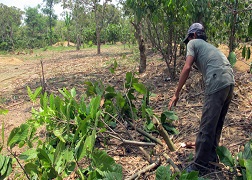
[22, 4]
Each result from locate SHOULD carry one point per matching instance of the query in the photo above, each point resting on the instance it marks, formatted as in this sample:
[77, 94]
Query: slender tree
[10, 21]
[49, 11]
[35, 27]
[138, 10]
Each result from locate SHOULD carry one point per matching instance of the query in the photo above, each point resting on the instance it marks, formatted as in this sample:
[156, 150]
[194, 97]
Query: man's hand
[173, 101]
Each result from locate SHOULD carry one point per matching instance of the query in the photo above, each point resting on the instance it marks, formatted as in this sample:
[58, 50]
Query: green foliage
[242, 162]
[5, 166]
[3, 111]
[232, 58]
[163, 173]
[166, 119]
[33, 96]
[246, 53]
[113, 68]
[250, 28]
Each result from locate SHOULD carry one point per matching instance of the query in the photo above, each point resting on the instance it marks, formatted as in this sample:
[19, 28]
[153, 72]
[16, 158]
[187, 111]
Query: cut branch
[163, 133]
[169, 160]
[137, 143]
[151, 166]
[147, 134]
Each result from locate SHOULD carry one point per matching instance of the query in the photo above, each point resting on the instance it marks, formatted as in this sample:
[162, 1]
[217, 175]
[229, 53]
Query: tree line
[162, 24]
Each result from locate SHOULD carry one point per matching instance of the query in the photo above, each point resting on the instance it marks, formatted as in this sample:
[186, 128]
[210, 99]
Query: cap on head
[193, 29]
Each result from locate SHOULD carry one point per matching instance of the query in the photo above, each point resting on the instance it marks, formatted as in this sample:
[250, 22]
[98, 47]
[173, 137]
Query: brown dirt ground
[71, 68]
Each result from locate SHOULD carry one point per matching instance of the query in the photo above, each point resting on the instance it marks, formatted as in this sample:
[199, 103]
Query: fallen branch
[147, 134]
[147, 156]
[169, 160]
[137, 143]
[151, 166]
[163, 133]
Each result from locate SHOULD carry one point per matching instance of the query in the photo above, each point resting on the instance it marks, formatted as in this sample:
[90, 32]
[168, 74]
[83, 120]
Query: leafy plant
[240, 164]
[166, 119]
[232, 58]
[164, 173]
[246, 53]
[71, 128]
[33, 96]
[3, 111]
[5, 166]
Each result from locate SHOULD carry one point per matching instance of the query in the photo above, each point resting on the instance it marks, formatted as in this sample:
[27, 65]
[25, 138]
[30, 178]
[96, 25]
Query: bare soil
[71, 68]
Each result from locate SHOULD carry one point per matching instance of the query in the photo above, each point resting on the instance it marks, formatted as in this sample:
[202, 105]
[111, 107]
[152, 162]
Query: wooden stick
[137, 143]
[169, 160]
[163, 133]
[151, 166]
[147, 134]
[43, 84]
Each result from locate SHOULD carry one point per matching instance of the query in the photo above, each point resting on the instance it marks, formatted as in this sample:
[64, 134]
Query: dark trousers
[213, 115]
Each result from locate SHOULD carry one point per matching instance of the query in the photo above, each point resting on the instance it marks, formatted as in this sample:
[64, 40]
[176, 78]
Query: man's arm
[182, 79]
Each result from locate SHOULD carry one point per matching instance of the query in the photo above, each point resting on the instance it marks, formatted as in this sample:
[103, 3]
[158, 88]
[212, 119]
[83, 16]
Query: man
[219, 84]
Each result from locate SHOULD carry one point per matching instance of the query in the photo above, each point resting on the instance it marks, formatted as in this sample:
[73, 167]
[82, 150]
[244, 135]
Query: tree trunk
[141, 46]
[98, 41]
[232, 34]
[78, 43]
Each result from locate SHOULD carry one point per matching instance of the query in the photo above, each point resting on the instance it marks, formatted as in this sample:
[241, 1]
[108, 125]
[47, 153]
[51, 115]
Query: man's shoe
[193, 167]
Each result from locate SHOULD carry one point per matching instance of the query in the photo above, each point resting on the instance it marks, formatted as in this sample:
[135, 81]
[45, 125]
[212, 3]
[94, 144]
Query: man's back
[212, 63]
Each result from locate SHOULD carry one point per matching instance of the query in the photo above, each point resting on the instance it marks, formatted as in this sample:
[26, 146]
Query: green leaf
[163, 173]
[170, 129]
[150, 126]
[30, 94]
[58, 134]
[232, 58]
[89, 143]
[5, 165]
[17, 135]
[37, 92]
[30, 167]
[140, 88]
[248, 165]
[29, 154]
[2, 159]
[3, 111]
[73, 92]
[250, 28]
[2, 134]
[52, 173]
[110, 95]
[112, 69]
[59, 149]
[248, 53]
[168, 116]
[247, 153]
[52, 102]
[34, 95]
[192, 175]
[225, 156]
[80, 150]
[43, 157]
[149, 111]
[94, 106]
[244, 52]
[103, 161]
[120, 101]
